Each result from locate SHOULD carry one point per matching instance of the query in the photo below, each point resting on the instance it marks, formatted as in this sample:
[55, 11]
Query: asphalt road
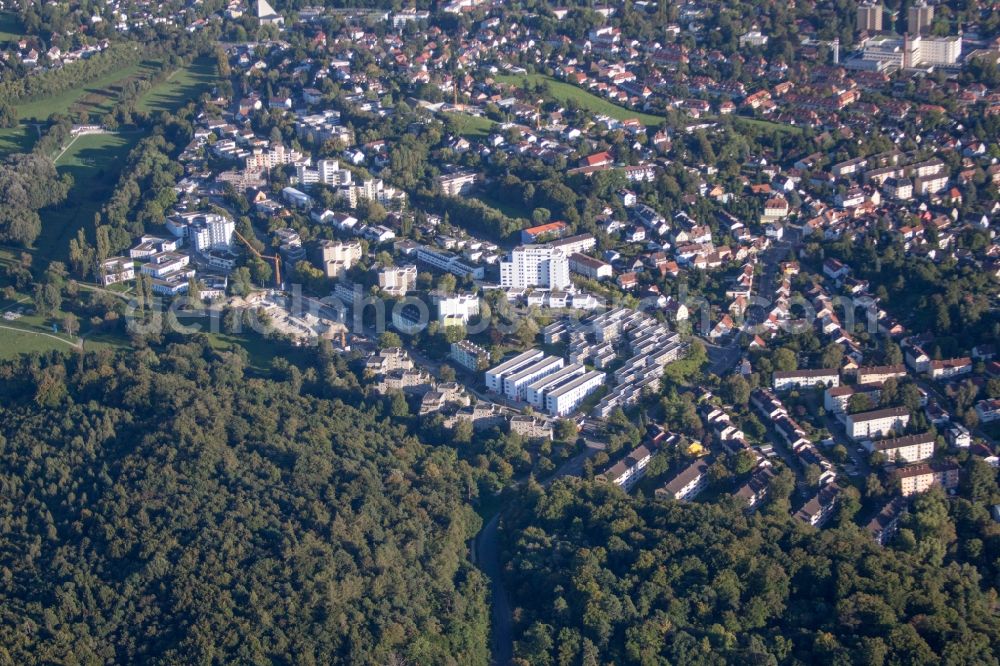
[486, 555]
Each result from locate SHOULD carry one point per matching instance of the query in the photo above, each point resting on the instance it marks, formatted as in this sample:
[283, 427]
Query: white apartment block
[879, 373]
[457, 184]
[469, 355]
[397, 280]
[495, 376]
[327, 172]
[625, 473]
[784, 381]
[568, 397]
[457, 309]
[595, 269]
[339, 257]
[165, 263]
[581, 243]
[536, 391]
[909, 449]
[535, 266]
[836, 399]
[212, 232]
[872, 425]
[516, 384]
[449, 263]
[276, 156]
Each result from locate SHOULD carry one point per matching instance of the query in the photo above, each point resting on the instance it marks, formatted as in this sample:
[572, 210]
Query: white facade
[212, 232]
[878, 423]
[535, 266]
[565, 399]
[397, 280]
[469, 355]
[457, 309]
[515, 386]
[495, 376]
[535, 394]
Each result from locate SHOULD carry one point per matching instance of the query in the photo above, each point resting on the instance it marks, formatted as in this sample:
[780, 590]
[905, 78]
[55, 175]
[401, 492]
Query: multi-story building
[837, 398]
[536, 391]
[457, 184]
[389, 359]
[919, 17]
[566, 398]
[908, 449]
[516, 384]
[448, 263]
[469, 355]
[117, 269]
[952, 367]
[818, 510]
[878, 423]
[397, 280]
[687, 484]
[787, 380]
[625, 473]
[338, 256]
[530, 427]
[535, 266]
[918, 478]
[879, 373]
[276, 156]
[457, 309]
[886, 522]
[495, 376]
[327, 172]
[869, 18]
[595, 269]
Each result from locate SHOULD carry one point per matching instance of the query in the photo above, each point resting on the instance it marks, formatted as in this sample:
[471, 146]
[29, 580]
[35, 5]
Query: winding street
[486, 555]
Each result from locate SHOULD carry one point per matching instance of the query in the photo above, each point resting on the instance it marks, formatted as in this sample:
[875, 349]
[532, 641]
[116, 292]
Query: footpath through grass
[95, 162]
[94, 98]
[564, 92]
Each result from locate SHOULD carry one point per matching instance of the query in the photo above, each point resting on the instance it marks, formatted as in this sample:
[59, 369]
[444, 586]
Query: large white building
[495, 376]
[457, 309]
[397, 280]
[909, 449]
[206, 231]
[535, 394]
[871, 425]
[787, 380]
[515, 386]
[535, 266]
[566, 398]
[327, 172]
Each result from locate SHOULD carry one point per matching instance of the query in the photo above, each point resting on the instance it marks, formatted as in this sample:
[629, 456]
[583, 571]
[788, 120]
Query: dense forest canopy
[169, 508]
[603, 578]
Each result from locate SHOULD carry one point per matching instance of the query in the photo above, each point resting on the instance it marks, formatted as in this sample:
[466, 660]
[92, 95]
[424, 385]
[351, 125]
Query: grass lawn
[769, 125]
[508, 208]
[95, 161]
[471, 127]
[97, 97]
[180, 87]
[563, 92]
[14, 343]
[11, 29]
